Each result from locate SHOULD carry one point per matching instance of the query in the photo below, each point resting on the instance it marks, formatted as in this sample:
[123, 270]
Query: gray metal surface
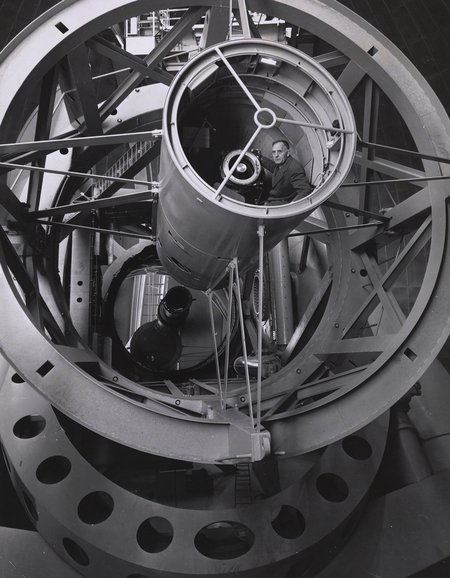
[404, 534]
[53, 478]
[24, 554]
[365, 54]
[364, 334]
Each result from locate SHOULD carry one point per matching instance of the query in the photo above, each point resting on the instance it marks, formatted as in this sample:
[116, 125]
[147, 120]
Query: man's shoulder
[293, 164]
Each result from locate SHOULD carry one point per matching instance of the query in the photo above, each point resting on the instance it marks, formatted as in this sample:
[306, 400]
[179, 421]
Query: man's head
[280, 151]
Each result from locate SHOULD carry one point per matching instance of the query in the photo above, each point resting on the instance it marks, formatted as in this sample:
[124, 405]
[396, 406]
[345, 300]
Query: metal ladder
[243, 485]
[125, 162]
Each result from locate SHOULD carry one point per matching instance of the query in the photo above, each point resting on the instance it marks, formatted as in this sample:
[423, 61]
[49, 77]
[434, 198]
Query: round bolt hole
[79, 299]
[357, 448]
[64, 151]
[113, 112]
[53, 470]
[224, 540]
[76, 552]
[155, 534]
[363, 272]
[15, 378]
[79, 283]
[95, 508]
[332, 487]
[289, 523]
[29, 426]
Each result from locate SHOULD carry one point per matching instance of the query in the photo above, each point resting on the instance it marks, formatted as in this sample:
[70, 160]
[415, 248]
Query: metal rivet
[336, 325]
[115, 378]
[177, 402]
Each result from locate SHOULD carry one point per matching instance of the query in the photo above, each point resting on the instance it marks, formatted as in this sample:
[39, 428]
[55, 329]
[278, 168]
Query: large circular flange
[78, 511]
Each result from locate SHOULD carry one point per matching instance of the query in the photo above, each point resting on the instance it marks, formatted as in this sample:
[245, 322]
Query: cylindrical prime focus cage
[219, 101]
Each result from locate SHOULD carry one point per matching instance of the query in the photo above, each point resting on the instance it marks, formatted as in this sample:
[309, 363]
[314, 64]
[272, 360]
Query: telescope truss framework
[361, 342]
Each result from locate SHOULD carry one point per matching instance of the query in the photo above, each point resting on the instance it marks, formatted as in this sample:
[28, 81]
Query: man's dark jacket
[289, 181]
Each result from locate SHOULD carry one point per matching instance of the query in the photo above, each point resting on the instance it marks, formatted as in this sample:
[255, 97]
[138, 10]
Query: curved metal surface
[408, 351]
[296, 90]
[288, 528]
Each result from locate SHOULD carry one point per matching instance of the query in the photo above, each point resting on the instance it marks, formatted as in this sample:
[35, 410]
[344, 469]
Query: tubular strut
[235, 269]
[261, 231]
[216, 353]
[228, 338]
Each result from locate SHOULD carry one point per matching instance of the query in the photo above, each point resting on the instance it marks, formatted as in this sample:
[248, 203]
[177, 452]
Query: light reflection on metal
[247, 171]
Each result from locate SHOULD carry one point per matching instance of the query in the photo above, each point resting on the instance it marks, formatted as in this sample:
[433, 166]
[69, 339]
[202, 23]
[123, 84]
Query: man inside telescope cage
[289, 182]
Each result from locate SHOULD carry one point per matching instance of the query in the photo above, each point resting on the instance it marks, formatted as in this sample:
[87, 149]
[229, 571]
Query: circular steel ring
[251, 158]
[56, 485]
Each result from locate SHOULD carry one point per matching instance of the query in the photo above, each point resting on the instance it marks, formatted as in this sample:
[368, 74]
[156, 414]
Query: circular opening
[76, 552]
[247, 176]
[232, 118]
[289, 523]
[212, 114]
[178, 298]
[64, 151]
[15, 378]
[357, 447]
[155, 534]
[80, 283]
[53, 470]
[79, 299]
[29, 426]
[186, 310]
[332, 487]
[29, 505]
[363, 273]
[244, 170]
[224, 540]
[95, 507]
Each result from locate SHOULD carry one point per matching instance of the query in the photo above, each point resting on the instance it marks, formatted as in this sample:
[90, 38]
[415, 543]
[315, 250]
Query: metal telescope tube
[243, 95]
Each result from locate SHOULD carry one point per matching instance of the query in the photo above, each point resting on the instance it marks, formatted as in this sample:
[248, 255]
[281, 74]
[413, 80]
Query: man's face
[280, 153]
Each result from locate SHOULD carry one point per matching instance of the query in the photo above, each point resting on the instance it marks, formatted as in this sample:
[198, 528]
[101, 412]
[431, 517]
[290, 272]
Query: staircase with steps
[243, 485]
